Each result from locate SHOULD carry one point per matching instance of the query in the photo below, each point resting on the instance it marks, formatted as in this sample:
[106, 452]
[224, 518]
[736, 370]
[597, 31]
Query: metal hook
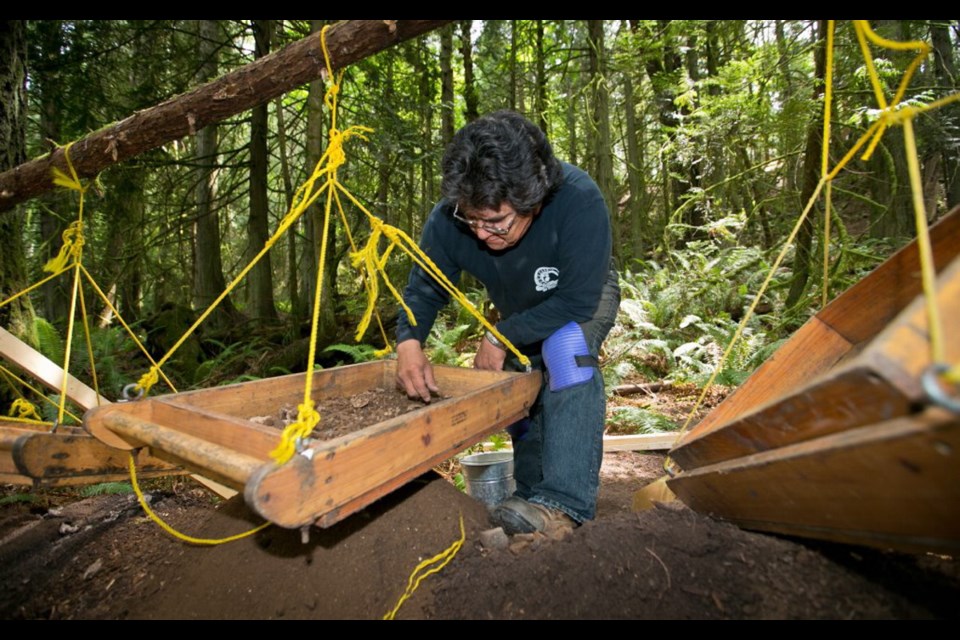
[935, 391]
[133, 386]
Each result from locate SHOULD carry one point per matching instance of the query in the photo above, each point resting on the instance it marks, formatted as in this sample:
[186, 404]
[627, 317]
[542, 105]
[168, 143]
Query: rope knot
[148, 379]
[72, 247]
[24, 409]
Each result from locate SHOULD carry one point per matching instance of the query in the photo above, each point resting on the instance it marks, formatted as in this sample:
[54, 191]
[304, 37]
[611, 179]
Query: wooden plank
[220, 429]
[881, 383]
[891, 485]
[810, 352]
[866, 308]
[640, 442]
[9, 437]
[221, 490]
[835, 402]
[52, 456]
[15, 478]
[45, 370]
[839, 331]
[347, 473]
[221, 463]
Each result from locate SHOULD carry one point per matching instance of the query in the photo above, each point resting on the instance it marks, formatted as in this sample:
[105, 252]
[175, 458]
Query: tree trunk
[208, 266]
[638, 206]
[312, 217]
[540, 93]
[471, 103]
[571, 118]
[59, 206]
[662, 67]
[946, 71]
[512, 102]
[260, 278]
[293, 290]
[16, 316]
[446, 85]
[600, 122]
[811, 175]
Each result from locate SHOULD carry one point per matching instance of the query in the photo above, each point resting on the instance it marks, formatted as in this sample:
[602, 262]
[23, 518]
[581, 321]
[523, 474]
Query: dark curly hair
[501, 157]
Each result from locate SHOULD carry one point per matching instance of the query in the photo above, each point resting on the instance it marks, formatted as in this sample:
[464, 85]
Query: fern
[442, 344]
[106, 488]
[49, 341]
[357, 352]
[638, 420]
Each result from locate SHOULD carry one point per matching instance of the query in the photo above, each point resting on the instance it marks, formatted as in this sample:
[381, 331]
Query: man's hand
[489, 357]
[414, 373]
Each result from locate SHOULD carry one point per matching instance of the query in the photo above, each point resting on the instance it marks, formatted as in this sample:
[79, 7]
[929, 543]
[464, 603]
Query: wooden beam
[46, 371]
[891, 485]
[233, 93]
[640, 442]
[220, 463]
[347, 473]
[840, 330]
[881, 383]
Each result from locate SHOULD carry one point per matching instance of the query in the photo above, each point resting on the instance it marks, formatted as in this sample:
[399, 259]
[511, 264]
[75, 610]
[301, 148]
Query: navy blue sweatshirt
[553, 275]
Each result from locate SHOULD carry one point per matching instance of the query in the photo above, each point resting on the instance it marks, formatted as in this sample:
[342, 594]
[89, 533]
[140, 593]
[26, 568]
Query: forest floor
[65, 557]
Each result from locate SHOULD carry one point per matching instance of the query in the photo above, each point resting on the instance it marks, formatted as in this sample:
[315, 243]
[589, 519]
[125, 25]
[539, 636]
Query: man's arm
[425, 298]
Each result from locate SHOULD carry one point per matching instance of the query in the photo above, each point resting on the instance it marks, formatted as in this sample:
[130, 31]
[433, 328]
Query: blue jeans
[557, 462]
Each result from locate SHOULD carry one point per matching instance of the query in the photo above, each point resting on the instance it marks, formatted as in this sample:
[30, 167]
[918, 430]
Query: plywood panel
[879, 384]
[841, 330]
[893, 484]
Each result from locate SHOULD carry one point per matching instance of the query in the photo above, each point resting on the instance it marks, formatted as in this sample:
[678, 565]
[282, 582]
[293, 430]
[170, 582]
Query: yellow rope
[397, 237]
[33, 286]
[427, 568]
[825, 162]
[927, 267]
[166, 527]
[155, 370]
[7, 375]
[66, 356]
[24, 409]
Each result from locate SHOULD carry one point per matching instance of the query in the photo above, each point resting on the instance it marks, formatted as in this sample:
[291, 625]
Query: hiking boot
[516, 515]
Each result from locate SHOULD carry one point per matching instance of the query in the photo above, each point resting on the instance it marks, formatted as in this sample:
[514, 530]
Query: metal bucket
[489, 476]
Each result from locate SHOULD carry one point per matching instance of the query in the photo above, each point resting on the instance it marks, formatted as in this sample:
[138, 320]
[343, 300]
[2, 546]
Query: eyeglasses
[484, 225]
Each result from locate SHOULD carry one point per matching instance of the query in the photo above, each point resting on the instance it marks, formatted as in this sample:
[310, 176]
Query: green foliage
[638, 420]
[49, 341]
[20, 498]
[106, 488]
[442, 344]
[357, 352]
[500, 441]
[460, 483]
[675, 324]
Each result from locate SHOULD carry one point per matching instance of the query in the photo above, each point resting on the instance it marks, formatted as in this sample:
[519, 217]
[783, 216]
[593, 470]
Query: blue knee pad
[567, 357]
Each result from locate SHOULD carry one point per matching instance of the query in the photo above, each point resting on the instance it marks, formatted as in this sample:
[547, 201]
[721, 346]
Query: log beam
[233, 93]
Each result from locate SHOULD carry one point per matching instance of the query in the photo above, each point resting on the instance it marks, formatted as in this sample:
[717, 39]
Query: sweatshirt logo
[546, 278]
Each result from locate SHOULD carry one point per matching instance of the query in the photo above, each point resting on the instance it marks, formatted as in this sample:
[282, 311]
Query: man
[536, 232]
